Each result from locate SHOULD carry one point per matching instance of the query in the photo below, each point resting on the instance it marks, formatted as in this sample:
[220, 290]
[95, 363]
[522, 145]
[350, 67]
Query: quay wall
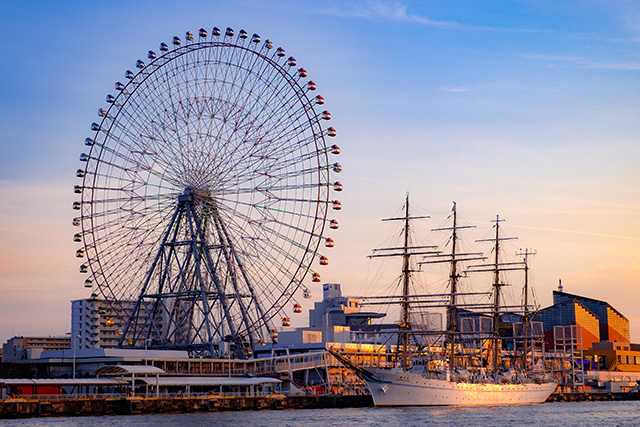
[596, 397]
[21, 408]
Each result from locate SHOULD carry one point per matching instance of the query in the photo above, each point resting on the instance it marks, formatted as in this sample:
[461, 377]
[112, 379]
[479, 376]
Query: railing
[75, 396]
[151, 395]
[266, 366]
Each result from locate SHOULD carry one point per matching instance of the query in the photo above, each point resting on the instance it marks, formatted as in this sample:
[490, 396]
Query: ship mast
[453, 258]
[406, 252]
[497, 285]
[452, 312]
[406, 275]
[525, 303]
[496, 268]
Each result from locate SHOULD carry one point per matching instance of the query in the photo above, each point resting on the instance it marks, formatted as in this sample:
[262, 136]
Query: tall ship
[462, 363]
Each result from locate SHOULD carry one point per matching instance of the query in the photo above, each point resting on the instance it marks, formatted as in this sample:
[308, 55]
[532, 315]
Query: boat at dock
[457, 365]
[413, 387]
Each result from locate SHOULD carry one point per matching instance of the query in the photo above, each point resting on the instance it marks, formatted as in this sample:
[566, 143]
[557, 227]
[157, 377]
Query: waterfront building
[569, 312]
[298, 336]
[598, 320]
[24, 348]
[613, 326]
[97, 324]
[136, 380]
[614, 356]
[61, 363]
[337, 315]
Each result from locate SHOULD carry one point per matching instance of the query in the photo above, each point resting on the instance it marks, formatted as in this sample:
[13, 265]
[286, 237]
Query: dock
[24, 408]
[592, 397]
[29, 408]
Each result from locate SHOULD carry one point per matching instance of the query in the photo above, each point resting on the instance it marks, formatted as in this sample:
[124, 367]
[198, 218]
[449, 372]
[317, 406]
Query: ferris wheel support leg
[146, 283]
[230, 255]
[254, 297]
[221, 293]
[193, 219]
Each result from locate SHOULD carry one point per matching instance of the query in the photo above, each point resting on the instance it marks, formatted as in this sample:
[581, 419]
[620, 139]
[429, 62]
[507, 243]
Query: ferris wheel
[205, 194]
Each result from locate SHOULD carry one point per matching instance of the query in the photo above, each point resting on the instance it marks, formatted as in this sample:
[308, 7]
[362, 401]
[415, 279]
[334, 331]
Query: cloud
[456, 89]
[584, 233]
[375, 10]
[581, 62]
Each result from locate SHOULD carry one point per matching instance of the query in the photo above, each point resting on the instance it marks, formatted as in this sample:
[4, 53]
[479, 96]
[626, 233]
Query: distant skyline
[524, 109]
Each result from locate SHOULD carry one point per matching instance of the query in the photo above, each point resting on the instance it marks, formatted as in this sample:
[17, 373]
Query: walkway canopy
[60, 381]
[211, 381]
[133, 370]
[112, 370]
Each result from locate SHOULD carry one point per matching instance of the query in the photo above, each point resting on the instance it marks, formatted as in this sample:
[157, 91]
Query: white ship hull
[395, 388]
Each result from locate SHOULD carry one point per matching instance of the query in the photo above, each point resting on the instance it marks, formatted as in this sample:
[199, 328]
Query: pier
[593, 397]
[26, 408]
[127, 405]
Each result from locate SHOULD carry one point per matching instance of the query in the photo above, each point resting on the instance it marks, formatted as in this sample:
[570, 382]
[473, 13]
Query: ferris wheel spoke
[286, 225]
[268, 210]
[269, 233]
[129, 164]
[276, 77]
[262, 231]
[245, 115]
[121, 216]
[265, 83]
[154, 145]
[124, 239]
[275, 188]
[131, 154]
[284, 164]
[275, 116]
[282, 88]
[132, 196]
[247, 75]
[273, 265]
[270, 171]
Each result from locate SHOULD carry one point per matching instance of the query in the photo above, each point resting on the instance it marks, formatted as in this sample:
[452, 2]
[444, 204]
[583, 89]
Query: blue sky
[527, 109]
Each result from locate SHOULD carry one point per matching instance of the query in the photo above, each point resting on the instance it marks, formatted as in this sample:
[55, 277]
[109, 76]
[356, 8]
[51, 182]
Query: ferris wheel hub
[191, 193]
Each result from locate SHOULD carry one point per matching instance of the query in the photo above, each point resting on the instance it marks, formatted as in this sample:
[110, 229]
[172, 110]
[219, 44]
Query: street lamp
[146, 342]
[74, 343]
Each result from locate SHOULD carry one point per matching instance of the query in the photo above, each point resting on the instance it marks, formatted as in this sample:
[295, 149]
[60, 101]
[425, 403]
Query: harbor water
[565, 414]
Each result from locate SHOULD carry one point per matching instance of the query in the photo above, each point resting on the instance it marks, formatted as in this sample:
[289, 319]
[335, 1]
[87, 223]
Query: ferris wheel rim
[317, 228]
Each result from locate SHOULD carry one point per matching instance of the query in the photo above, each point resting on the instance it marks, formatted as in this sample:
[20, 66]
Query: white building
[97, 324]
[336, 315]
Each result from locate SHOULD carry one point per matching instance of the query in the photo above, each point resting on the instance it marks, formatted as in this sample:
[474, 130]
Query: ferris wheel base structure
[176, 311]
[205, 195]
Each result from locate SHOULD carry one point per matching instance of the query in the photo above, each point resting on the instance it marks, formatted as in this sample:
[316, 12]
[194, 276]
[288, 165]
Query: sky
[524, 109]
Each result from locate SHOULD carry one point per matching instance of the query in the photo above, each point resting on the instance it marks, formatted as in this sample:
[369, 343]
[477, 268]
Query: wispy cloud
[581, 62]
[584, 233]
[554, 58]
[456, 89]
[376, 10]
